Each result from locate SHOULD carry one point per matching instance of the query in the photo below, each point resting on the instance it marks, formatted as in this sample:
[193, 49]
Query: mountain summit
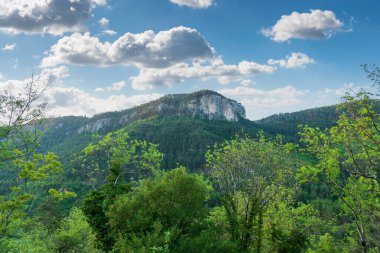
[183, 125]
[205, 104]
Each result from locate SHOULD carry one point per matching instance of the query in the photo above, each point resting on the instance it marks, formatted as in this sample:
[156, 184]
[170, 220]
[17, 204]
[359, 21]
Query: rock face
[216, 107]
[94, 126]
[205, 104]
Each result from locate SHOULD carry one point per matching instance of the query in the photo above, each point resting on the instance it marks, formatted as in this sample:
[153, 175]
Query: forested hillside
[190, 180]
[182, 136]
[288, 124]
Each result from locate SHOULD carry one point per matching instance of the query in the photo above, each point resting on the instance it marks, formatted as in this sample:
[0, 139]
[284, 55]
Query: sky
[272, 56]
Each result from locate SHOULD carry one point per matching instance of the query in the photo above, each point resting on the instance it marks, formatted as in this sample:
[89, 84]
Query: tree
[74, 234]
[20, 165]
[169, 206]
[348, 157]
[122, 158]
[94, 208]
[18, 113]
[125, 160]
[249, 174]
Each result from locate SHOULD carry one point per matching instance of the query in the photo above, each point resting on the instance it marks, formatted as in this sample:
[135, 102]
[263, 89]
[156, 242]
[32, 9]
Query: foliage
[20, 165]
[174, 202]
[94, 208]
[74, 234]
[123, 159]
[253, 177]
[257, 195]
[348, 158]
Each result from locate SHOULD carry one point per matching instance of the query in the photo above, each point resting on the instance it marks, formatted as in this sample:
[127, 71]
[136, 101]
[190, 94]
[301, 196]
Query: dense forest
[182, 139]
[288, 183]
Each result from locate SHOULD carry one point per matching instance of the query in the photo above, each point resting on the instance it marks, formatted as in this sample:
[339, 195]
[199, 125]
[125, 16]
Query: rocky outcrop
[219, 107]
[94, 126]
[205, 104]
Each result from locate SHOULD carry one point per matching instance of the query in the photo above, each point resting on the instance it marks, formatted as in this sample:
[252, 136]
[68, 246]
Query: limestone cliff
[205, 104]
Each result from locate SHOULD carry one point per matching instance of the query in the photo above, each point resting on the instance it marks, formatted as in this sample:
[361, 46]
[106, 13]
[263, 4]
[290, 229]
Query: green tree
[20, 165]
[125, 160]
[74, 234]
[94, 208]
[121, 157]
[174, 202]
[348, 158]
[250, 175]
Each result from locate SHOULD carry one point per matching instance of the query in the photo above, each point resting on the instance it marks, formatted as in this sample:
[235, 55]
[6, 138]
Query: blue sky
[273, 56]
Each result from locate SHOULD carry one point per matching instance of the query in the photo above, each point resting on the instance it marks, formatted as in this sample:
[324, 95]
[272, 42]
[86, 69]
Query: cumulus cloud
[9, 47]
[43, 81]
[109, 32]
[246, 82]
[163, 59]
[114, 87]
[74, 101]
[295, 60]
[197, 4]
[314, 25]
[349, 88]
[260, 103]
[64, 100]
[148, 78]
[146, 49]
[103, 21]
[53, 16]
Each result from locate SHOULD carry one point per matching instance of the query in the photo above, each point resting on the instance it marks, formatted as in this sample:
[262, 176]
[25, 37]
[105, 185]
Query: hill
[183, 125]
[287, 124]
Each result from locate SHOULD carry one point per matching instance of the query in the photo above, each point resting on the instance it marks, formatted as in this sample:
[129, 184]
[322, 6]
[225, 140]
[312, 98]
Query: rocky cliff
[205, 104]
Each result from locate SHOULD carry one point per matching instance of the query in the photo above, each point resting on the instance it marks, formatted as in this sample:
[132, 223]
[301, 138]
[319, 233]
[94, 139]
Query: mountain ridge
[205, 104]
[184, 128]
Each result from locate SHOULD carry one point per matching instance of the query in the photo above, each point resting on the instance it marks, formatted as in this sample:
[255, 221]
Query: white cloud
[109, 32]
[197, 4]
[246, 82]
[77, 49]
[314, 25]
[345, 88]
[260, 103]
[103, 22]
[73, 101]
[163, 59]
[9, 47]
[38, 17]
[149, 78]
[146, 49]
[114, 87]
[295, 60]
[46, 79]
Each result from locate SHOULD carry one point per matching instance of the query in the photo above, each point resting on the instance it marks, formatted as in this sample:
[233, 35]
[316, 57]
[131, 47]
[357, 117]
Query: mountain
[183, 125]
[204, 104]
[288, 124]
